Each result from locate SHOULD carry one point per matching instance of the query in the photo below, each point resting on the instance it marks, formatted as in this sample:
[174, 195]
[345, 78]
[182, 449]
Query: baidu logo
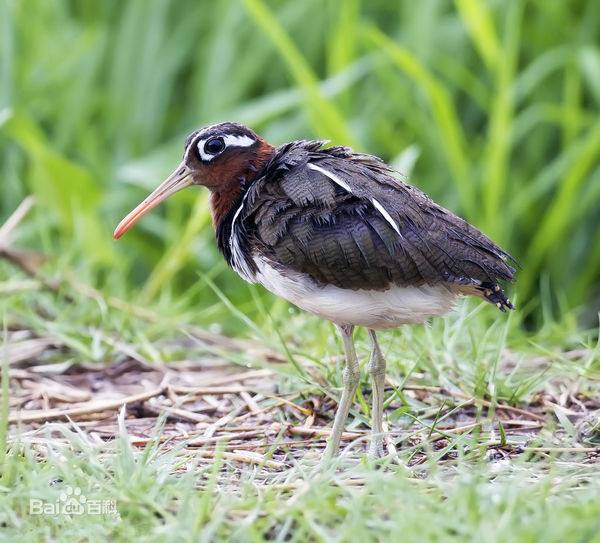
[72, 502]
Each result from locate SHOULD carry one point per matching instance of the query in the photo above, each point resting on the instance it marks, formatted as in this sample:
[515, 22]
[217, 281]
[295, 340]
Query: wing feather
[322, 221]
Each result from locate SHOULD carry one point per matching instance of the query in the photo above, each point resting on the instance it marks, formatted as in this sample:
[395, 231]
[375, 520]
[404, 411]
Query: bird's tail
[495, 295]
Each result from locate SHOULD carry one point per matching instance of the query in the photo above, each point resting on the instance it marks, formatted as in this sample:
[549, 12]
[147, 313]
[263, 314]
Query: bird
[340, 235]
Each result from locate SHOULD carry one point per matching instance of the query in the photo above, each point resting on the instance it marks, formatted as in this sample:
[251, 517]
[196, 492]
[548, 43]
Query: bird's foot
[376, 447]
[333, 448]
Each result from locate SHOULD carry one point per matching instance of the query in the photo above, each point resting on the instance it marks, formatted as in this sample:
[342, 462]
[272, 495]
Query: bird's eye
[214, 146]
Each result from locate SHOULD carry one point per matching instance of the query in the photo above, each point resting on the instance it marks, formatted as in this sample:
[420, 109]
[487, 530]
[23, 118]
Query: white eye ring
[229, 140]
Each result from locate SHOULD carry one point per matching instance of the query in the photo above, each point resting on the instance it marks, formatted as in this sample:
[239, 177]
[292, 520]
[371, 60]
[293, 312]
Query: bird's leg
[377, 371]
[351, 378]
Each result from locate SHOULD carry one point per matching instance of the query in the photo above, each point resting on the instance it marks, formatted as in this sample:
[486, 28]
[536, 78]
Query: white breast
[370, 308]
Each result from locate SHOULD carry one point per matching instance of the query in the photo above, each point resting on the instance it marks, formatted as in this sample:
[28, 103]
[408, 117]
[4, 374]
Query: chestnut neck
[224, 197]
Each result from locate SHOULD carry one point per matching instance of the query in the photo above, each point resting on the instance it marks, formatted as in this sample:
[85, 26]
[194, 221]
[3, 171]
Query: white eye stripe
[238, 141]
[230, 140]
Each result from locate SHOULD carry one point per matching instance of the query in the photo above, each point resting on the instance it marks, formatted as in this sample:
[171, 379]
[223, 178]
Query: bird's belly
[378, 309]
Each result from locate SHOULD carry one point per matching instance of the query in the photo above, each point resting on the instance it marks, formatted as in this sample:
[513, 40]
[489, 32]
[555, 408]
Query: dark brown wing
[343, 219]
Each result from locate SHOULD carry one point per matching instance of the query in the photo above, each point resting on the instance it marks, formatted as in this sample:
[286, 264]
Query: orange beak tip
[178, 180]
[117, 234]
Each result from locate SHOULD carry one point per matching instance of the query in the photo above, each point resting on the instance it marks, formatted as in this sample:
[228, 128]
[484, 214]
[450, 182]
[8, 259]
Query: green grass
[492, 502]
[459, 492]
[490, 108]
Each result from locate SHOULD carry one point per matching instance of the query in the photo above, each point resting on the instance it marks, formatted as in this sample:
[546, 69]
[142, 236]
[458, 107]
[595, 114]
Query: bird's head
[223, 157]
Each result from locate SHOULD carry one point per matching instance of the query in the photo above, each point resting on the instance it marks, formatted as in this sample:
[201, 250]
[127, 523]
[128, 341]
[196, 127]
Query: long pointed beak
[179, 179]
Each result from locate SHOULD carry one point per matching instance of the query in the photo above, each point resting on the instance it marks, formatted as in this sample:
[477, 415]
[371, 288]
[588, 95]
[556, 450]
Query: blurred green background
[491, 107]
